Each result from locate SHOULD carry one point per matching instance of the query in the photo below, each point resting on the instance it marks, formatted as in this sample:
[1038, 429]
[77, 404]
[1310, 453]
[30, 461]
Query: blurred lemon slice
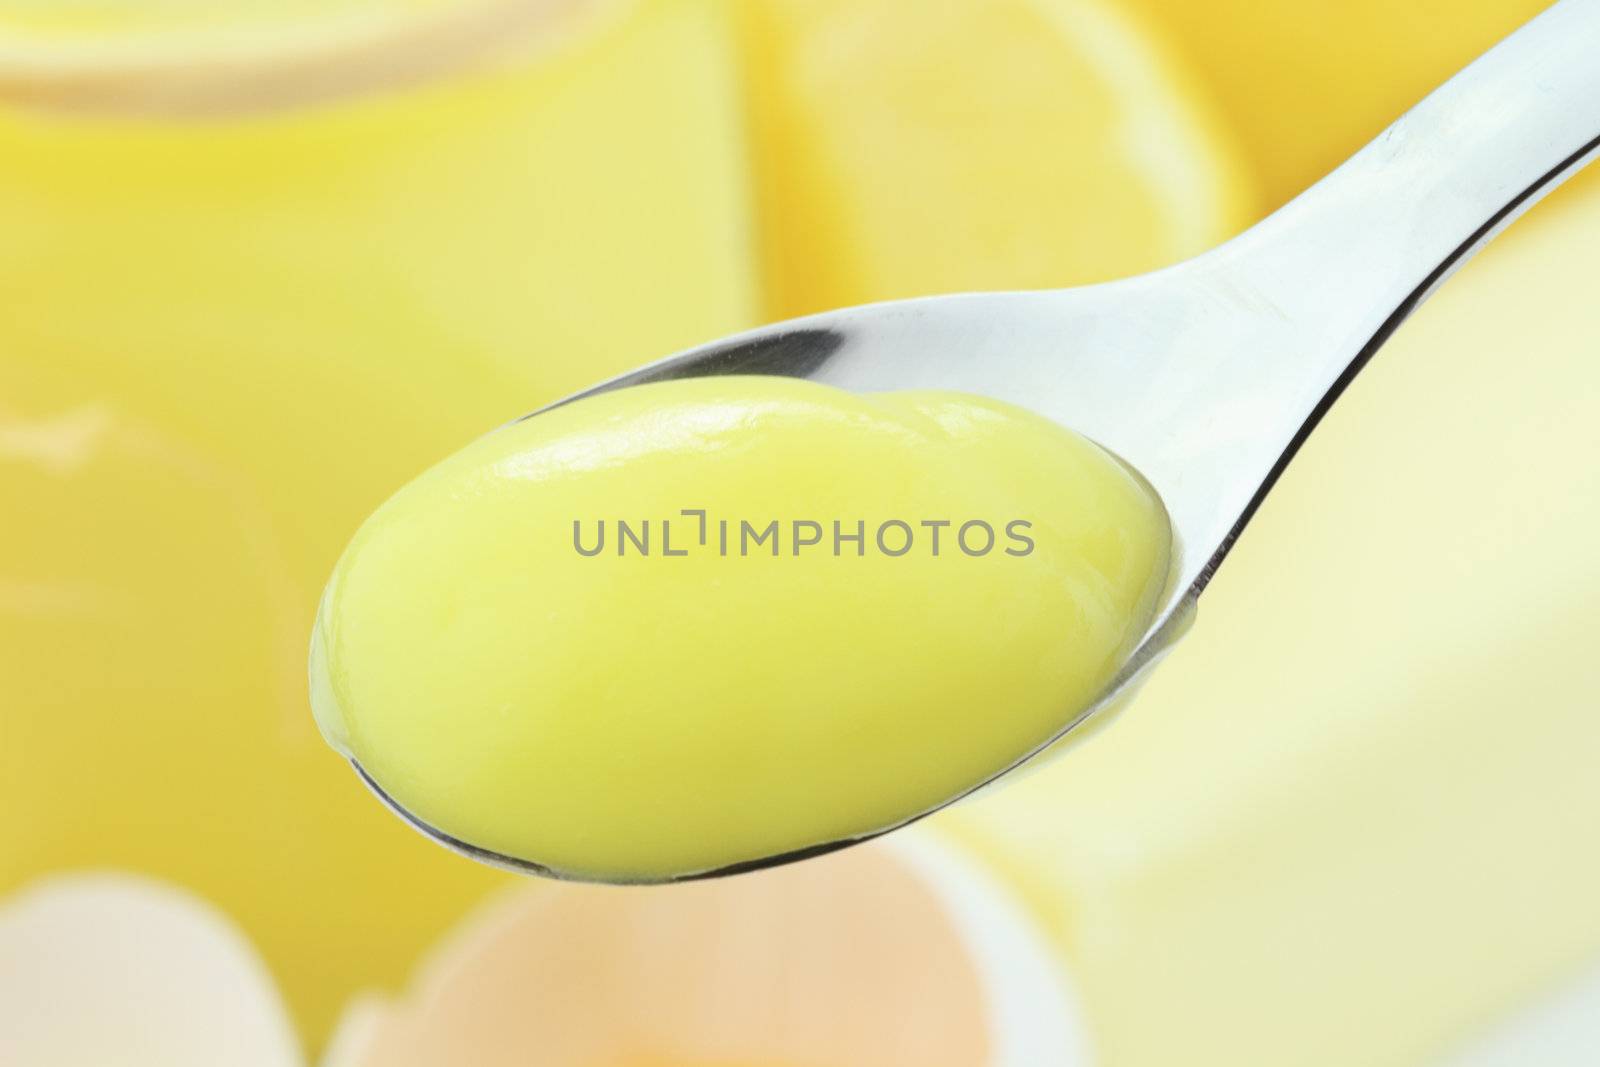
[905, 148]
[1307, 83]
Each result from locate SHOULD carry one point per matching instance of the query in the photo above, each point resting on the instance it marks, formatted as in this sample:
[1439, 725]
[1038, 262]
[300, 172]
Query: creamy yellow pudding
[677, 627]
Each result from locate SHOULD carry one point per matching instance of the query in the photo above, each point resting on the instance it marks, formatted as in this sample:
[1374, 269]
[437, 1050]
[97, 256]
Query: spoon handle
[1344, 263]
[1391, 223]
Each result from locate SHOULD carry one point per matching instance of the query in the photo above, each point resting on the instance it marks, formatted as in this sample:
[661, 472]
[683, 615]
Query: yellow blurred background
[258, 267]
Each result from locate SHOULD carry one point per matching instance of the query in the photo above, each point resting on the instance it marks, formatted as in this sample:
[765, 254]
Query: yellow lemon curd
[686, 625]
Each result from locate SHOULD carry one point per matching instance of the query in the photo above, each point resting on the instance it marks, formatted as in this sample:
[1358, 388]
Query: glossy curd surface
[821, 614]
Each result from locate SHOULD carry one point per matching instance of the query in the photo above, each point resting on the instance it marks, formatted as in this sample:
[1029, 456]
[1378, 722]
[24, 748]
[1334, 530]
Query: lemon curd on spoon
[684, 626]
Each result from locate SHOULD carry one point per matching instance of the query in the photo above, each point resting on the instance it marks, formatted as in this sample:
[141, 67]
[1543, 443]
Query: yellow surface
[904, 148]
[225, 342]
[629, 715]
[1351, 819]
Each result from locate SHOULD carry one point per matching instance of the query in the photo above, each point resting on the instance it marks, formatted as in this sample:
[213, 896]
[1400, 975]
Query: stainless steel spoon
[1207, 376]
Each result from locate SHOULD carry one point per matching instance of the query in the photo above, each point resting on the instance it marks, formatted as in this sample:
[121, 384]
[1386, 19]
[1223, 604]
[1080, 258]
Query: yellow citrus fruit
[1306, 83]
[904, 148]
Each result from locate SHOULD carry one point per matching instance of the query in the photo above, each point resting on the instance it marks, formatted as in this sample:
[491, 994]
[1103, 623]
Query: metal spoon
[1207, 376]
